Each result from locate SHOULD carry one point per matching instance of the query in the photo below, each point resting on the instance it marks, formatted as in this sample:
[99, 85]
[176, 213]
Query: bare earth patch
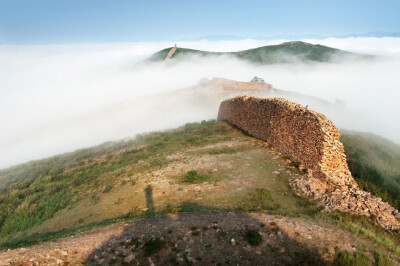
[202, 238]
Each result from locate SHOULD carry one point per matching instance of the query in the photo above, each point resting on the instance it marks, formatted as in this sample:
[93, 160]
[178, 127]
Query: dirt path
[72, 250]
[202, 238]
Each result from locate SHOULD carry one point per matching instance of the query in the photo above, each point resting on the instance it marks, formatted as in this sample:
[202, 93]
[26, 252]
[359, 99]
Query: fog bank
[55, 99]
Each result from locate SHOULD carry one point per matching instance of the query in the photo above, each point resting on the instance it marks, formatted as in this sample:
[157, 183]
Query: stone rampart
[240, 84]
[312, 140]
[302, 135]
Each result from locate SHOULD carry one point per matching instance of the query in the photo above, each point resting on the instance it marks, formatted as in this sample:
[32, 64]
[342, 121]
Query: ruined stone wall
[240, 84]
[303, 135]
[311, 139]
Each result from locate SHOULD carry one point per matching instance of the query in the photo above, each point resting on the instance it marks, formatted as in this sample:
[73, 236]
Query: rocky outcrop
[311, 140]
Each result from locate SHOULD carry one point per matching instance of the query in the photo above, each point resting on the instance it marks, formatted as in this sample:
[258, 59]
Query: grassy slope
[114, 184]
[299, 50]
[283, 53]
[375, 163]
[56, 164]
[149, 176]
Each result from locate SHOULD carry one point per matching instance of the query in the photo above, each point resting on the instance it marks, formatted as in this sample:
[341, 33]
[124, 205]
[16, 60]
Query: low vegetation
[194, 177]
[208, 166]
[355, 259]
[259, 199]
[383, 259]
[375, 164]
[366, 228]
[254, 237]
[346, 258]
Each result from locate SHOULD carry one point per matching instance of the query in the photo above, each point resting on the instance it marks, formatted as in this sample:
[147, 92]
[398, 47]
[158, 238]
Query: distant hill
[287, 52]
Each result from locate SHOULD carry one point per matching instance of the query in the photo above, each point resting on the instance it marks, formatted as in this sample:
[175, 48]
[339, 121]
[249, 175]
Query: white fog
[59, 98]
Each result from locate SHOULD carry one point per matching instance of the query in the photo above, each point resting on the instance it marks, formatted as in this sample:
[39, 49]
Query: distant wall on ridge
[239, 84]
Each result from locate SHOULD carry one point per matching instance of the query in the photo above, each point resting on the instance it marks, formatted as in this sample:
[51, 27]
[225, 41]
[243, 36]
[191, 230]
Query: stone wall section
[220, 89]
[311, 139]
[240, 85]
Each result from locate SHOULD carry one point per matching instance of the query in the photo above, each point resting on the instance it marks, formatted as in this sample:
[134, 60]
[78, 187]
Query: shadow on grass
[149, 198]
[202, 235]
[238, 128]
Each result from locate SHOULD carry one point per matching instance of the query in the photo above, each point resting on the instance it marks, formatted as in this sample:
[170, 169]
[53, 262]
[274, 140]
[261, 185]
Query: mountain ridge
[287, 52]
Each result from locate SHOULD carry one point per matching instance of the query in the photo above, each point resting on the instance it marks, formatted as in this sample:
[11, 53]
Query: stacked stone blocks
[311, 139]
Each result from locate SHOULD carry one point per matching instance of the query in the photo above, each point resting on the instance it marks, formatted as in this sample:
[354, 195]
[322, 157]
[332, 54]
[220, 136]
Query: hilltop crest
[287, 52]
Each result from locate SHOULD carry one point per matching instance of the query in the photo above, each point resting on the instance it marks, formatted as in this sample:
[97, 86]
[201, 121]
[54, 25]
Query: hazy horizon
[65, 21]
[55, 97]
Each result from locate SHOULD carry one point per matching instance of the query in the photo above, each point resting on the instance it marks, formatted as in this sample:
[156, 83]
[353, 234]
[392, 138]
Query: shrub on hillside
[346, 258]
[253, 237]
[193, 176]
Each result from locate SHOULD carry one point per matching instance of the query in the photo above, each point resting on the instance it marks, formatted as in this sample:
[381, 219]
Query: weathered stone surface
[311, 139]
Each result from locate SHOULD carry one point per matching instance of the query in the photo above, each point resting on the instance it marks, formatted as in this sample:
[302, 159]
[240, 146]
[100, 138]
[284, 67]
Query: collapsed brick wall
[311, 139]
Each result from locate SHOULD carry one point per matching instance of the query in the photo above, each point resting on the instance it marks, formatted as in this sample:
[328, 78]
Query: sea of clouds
[59, 98]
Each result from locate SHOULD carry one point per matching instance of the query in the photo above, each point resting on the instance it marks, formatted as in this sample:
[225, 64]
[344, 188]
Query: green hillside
[375, 164]
[91, 186]
[287, 52]
[208, 166]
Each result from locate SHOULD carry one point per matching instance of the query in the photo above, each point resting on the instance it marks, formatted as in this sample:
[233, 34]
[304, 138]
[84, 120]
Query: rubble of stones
[312, 140]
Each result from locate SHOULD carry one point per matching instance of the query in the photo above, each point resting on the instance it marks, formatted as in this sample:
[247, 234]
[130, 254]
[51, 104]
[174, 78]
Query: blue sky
[61, 21]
